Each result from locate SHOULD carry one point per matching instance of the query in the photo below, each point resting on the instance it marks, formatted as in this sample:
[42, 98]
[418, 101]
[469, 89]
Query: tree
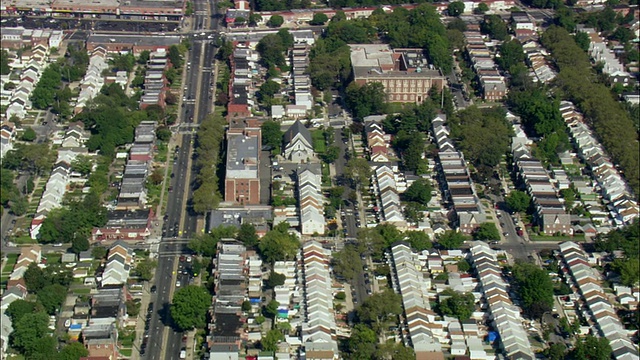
[518, 201]
[5, 69]
[347, 262]
[29, 332]
[34, 278]
[19, 205]
[419, 191]
[629, 270]
[276, 279]
[451, 239]
[463, 266]
[29, 134]
[362, 343]
[358, 171]
[247, 235]
[99, 252]
[267, 90]
[511, 53]
[133, 308]
[591, 348]
[494, 26]
[556, 351]
[143, 57]
[455, 8]
[79, 244]
[419, 240]
[278, 244]
[51, 297]
[487, 231]
[246, 305]
[271, 309]
[534, 287]
[255, 19]
[73, 351]
[457, 305]
[239, 21]
[189, 307]
[365, 100]
[319, 19]
[82, 164]
[275, 21]
[481, 9]
[271, 134]
[19, 308]
[331, 154]
[378, 308]
[175, 56]
[144, 269]
[270, 341]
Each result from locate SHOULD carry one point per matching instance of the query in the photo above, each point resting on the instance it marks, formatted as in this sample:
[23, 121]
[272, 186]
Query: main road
[165, 342]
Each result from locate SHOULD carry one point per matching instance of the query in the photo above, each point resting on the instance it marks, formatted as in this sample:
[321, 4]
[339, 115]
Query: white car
[178, 283]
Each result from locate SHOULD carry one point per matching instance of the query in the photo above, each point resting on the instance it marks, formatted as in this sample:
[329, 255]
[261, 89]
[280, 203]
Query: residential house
[127, 225]
[298, 143]
[119, 261]
[311, 201]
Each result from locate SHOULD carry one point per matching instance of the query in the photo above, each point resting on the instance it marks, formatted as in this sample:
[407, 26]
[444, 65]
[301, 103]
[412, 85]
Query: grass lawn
[82, 291]
[53, 258]
[125, 352]
[326, 175]
[577, 238]
[12, 259]
[319, 145]
[161, 155]
[24, 240]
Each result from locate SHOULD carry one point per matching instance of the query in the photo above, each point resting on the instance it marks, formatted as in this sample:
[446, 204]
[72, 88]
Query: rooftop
[381, 60]
[242, 154]
[148, 40]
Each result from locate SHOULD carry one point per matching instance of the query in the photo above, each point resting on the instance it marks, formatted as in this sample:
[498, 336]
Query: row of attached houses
[492, 83]
[7, 136]
[524, 26]
[378, 142]
[301, 80]
[133, 194]
[385, 183]
[318, 329]
[230, 274]
[19, 37]
[311, 202]
[550, 213]
[289, 293]
[408, 281]
[600, 53]
[244, 62]
[20, 101]
[119, 261]
[455, 180]
[93, 80]
[503, 314]
[596, 307]
[622, 205]
[62, 175]
[155, 82]
[16, 290]
[541, 70]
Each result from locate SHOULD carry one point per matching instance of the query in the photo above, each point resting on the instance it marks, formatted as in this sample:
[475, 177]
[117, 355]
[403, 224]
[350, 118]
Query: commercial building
[405, 73]
[116, 43]
[242, 181]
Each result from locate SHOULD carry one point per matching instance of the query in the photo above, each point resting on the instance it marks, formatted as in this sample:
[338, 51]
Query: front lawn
[319, 145]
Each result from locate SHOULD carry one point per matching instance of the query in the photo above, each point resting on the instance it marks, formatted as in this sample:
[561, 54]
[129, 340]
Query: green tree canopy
[419, 191]
[518, 201]
[247, 235]
[144, 269]
[73, 351]
[189, 307]
[29, 134]
[278, 244]
[378, 308]
[362, 343]
[271, 134]
[494, 26]
[455, 8]
[591, 348]
[275, 21]
[319, 19]
[347, 263]
[5, 69]
[451, 240]
[455, 304]
[534, 287]
[365, 100]
[276, 279]
[419, 240]
[51, 297]
[19, 308]
[29, 332]
[487, 231]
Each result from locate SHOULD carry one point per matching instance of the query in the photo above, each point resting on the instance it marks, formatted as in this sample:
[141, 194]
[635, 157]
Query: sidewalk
[191, 335]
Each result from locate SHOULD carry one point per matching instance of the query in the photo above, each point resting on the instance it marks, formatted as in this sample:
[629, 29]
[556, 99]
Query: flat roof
[177, 4]
[375, 60]
[148, 40]
[26, 4]
[242, 156]
[71, 3]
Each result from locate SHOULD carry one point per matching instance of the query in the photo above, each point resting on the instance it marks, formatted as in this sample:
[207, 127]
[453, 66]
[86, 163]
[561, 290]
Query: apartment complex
[242, 181]
[455, 180]
[405, 73]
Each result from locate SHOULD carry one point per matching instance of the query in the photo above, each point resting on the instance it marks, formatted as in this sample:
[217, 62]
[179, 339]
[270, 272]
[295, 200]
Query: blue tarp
[492, 336]
[75, 327]
[255, 300]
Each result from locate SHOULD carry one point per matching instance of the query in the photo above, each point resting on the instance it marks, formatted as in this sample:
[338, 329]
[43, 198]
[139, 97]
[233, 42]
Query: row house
[384, 181]
[494, 5]
[298, 146]
[550, 213]
[318, 330]
[61, 175]
[600, 53]
[409, 282]
[301, 80]
[311, 202]
[155, 82]
[19, 37]
[93, 80]
[230, 274]
[127, 225]
[119, 261]
[288, 293]
[28, 255]
[378, 142]
[455, 180]
[7, 136]
[541, 70]
[493, 85]
[243, 64]
[622, 205]
[503, 314]
[596, 306]
[133, 193]
[254, 275]
[33, 67]
[116, 43]
[101, 340]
